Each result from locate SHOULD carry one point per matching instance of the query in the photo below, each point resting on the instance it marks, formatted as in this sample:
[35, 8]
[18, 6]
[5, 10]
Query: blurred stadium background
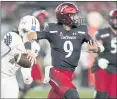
[95, 15]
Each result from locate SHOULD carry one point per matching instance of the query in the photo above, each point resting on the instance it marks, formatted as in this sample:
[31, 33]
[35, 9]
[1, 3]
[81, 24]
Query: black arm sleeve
[87, 38]
[43, 34]
[27, 45]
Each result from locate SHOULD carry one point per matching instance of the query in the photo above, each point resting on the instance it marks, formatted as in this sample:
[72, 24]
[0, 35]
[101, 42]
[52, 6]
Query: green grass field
[84, 93]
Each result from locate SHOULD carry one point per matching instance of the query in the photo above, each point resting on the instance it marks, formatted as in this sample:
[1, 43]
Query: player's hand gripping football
[31, 56]
[25, 58]
[32, 36]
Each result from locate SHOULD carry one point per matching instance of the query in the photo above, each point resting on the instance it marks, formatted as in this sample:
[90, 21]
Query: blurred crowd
[95, 15]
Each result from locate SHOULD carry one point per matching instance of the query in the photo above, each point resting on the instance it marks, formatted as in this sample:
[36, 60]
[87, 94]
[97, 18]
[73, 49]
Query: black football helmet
[67, 13]
[113, 18]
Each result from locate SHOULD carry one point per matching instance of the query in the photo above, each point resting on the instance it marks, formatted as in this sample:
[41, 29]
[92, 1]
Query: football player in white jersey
[12, 44]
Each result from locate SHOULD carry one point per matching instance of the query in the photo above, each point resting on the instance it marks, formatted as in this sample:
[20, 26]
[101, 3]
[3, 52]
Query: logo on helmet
[67, 13]
[63, 7]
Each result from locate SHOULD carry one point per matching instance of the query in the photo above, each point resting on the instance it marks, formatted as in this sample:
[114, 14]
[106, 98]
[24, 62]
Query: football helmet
[28, 24]
[113, 18]
[67, 13]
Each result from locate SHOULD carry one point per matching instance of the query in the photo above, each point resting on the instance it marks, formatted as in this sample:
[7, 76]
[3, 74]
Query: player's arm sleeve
[99, 45]
[87, 37]
[27, 45]
[43, 34]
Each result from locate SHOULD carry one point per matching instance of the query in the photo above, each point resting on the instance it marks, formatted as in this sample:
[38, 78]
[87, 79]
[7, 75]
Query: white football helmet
[28, 24]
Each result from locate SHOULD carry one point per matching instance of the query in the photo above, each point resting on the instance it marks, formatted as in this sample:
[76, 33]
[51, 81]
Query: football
[23, 61]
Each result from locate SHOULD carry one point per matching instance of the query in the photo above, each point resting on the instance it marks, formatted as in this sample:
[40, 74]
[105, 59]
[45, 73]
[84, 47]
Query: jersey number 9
[68, 47]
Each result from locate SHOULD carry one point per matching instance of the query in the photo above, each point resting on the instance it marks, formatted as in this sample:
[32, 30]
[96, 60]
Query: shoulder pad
[83, 25]
[4, 49]
[103, 30]
[12, 39]
[83, 28]
[51, 27]
[102, 33]
[51, 24]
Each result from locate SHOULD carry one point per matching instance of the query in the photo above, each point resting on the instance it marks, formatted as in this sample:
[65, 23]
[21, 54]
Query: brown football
[22, 60]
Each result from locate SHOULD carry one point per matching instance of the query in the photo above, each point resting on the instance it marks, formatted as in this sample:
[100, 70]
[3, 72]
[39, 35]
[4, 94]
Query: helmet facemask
[75, 19]
[72, 19]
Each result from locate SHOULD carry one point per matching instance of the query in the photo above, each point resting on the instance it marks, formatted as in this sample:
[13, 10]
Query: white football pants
[9, 87]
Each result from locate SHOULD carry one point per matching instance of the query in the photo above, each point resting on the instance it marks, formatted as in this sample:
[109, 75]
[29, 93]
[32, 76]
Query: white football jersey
[4, 49]
[15, 45]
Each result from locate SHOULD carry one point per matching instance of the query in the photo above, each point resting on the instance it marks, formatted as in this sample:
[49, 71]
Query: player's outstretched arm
[37, 35]
[32, 36]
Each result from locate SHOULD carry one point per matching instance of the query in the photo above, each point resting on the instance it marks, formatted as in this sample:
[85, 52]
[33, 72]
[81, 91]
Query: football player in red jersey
[66, 38]
[105, 66]
[42, 16]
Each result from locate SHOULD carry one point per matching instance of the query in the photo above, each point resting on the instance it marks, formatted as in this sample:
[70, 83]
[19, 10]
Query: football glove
[103, 63]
